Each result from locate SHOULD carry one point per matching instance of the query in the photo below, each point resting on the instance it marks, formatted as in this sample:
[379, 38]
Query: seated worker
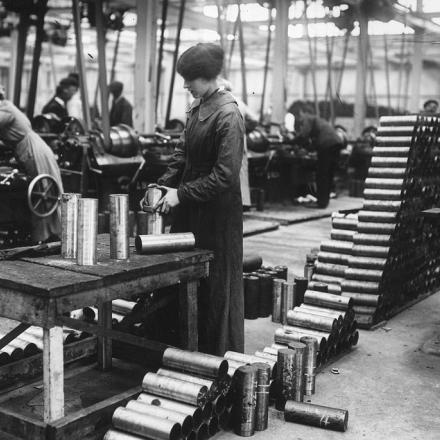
[430, 108]
[121, 111]
[35, 156]
[64, 92]
[74, 104]
[315, 132]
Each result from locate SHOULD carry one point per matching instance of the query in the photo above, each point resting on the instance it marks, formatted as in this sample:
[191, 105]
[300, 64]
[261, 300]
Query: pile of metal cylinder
[188, 397]
[30, 342]
[385, 255]
[194, 395]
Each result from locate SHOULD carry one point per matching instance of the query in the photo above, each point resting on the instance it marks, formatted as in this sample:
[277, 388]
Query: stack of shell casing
[386, 255]
[258, 287]
[30, 342]
[327, 317]
[188, 397]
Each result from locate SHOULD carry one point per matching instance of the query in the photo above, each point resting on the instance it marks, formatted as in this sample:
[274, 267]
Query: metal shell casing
[87, 231]
[69, 224]
[119, 227]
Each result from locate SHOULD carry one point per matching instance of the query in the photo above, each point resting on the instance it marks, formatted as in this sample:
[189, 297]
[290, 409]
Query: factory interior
[219, 219]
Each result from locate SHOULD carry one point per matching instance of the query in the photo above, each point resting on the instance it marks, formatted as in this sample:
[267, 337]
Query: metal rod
[119, 241]
[151, 244]
[87, 231]
[180, 390]
[184, 420]
[152, 427]
[262, 403]
[194, 411]
[195, 362]
[316, 415]
[244, 409]
[301, 318]
[210, 384]
[327, 300]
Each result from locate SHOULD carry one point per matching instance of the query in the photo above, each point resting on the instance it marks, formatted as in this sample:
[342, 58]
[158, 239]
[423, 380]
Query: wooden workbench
[41, 291]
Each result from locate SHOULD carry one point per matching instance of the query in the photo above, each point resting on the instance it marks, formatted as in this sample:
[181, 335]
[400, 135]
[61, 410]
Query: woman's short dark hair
[204, 60]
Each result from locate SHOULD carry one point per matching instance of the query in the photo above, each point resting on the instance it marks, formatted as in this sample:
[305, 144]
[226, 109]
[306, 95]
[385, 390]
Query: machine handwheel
[43, 195]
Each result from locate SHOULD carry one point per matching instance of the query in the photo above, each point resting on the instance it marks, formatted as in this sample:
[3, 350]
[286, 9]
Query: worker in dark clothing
[121, 111]
[430, 108]
[58, 104]
[203, 193]
[316, 133]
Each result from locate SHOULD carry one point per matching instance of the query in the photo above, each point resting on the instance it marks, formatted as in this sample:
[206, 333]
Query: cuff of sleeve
[181, 194]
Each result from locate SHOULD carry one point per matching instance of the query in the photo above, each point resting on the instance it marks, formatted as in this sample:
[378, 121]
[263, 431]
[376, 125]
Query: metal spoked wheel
[43, 195]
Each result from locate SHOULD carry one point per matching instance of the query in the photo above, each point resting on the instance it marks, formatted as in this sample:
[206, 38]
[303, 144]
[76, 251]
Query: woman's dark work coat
[205, 168]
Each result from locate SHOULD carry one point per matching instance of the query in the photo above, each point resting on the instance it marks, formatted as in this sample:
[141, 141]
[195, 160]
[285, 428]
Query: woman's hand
[168, 201]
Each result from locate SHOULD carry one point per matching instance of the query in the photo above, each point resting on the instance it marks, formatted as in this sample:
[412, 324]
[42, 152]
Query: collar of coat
[212, 104]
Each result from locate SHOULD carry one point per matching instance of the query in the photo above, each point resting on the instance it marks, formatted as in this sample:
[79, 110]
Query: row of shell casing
[30, 342]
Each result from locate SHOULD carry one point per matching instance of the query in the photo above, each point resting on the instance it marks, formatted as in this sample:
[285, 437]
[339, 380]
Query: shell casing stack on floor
[386, 255]
[186, 398]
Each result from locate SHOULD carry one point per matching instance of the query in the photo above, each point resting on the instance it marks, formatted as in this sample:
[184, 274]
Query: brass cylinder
[243, 410]
[119, 226]
[180, 390]
[161, 243]
[286, 336]
[300, 288]
[337, 247]
[316, 415]
[310, 364]
[306, 308]
[286, 377]
[69, 224]
[14, 353]
[287, 300]
[327, 300]
[250, 359]
[344, 223]
[123, 307]
[342, 234]
[87, 231]
[388, 173]
[154, 428]
[300, 351]
[211, 385]
[277, 291]
[262, 404]
[376, 228]
[29, 348]
[356, 273]
[155, 223]
[233, 365]
[113, 434]
[195, 362]
[333, 258]
[251, 296]
[142, 222]
[381, 183]
[301, 318]
[377, 216]
[367, 263]
[360, 286]
[195, 412]
[184, 420]
[330, 269]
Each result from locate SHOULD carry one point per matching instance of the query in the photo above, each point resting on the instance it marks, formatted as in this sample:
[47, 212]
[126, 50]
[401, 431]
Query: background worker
[121, 111]
[66, 88]
[35, 156]
[316, 133]
[204, 195]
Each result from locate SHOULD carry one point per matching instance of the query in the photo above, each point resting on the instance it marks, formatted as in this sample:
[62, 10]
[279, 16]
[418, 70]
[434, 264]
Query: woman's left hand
[168, 201]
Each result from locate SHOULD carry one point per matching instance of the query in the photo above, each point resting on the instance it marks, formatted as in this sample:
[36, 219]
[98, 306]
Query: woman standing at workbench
[35, 156]
[204, 194]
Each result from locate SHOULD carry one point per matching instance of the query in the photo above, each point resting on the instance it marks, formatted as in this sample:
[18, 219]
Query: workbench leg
[105, 343]
[53, 373]
[188, 315]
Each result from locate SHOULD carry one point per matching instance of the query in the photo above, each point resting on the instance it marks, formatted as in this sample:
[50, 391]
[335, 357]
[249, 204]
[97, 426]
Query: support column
[360, 109]
[281, 53]
[417, 65]
[53, 374]
[145, 67]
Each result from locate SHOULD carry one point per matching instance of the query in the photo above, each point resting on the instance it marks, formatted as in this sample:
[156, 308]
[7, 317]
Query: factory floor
[390, 387]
